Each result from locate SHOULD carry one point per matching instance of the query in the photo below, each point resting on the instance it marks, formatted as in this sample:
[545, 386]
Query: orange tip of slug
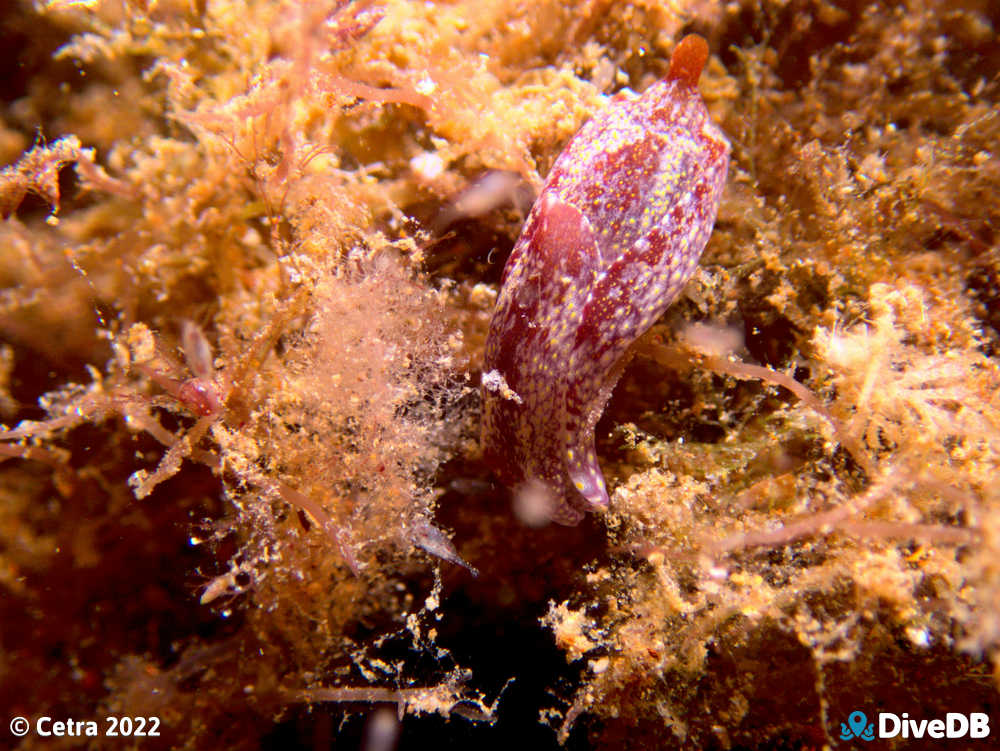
[688, 60]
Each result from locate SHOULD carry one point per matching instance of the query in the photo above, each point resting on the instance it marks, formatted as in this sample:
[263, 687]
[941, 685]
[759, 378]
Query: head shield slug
[617, 230]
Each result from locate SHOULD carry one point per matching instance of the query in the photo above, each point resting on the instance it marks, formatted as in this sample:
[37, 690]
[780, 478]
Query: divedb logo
[954, 725]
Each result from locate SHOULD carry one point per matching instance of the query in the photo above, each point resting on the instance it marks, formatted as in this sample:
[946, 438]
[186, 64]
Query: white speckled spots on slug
[616, 232]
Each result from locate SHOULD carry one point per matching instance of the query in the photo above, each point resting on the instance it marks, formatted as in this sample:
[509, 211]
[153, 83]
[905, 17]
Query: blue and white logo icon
[857, 726]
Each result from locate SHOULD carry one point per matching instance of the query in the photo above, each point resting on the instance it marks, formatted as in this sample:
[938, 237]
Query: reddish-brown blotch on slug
[616, 232]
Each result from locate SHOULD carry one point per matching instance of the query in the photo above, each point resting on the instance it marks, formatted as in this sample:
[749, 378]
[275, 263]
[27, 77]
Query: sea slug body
[616, 232]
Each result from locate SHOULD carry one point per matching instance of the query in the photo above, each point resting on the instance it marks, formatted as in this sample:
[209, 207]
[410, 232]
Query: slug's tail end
[588, 481]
